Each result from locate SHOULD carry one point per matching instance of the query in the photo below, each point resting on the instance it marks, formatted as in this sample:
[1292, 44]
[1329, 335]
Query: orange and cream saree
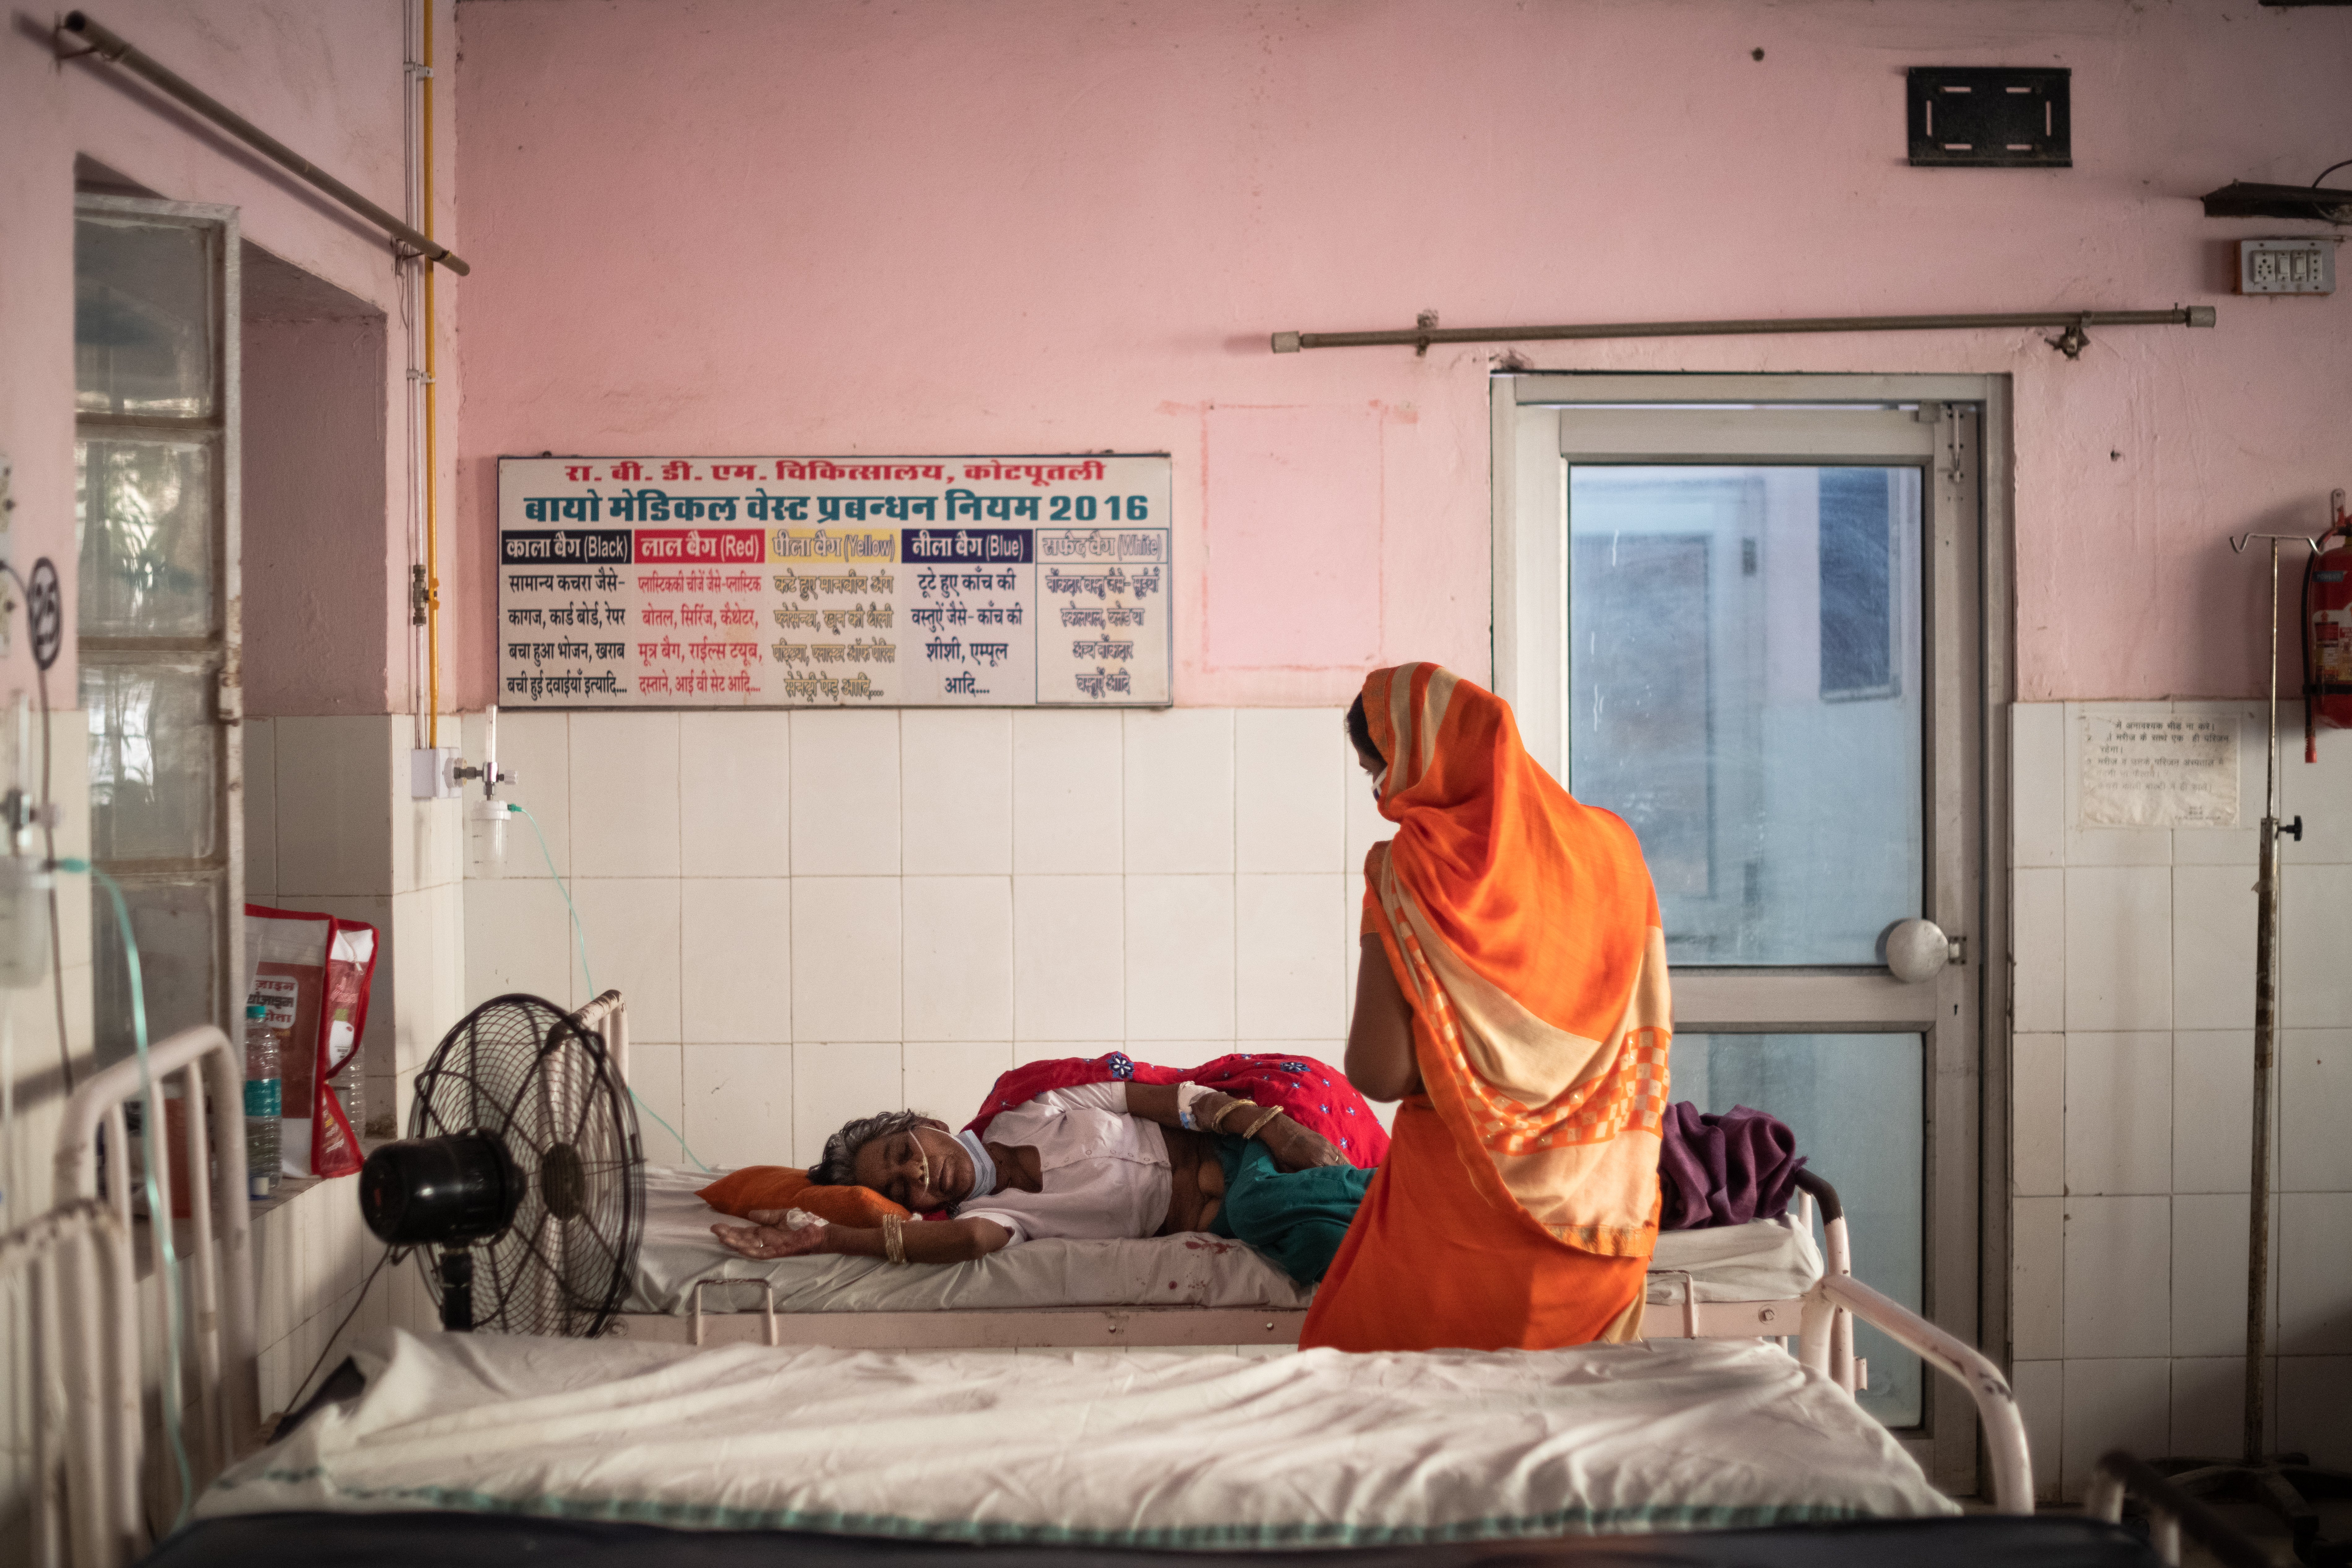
[1519, 1204]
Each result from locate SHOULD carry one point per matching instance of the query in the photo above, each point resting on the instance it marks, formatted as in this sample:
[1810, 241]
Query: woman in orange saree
[1513, 993]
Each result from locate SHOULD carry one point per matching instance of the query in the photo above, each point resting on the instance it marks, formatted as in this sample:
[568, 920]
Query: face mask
[984, 1168]
[1380, 781]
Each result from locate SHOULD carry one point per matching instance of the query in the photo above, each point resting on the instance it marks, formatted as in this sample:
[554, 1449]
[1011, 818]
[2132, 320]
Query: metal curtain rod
[2071, 344]
[114, 49]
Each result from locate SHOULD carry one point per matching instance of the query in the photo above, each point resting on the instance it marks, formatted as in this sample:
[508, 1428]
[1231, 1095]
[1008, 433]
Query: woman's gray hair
[839, 1166]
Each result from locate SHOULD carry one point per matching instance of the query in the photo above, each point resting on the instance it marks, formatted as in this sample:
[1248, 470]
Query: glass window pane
[1743, 660]
[177, 923]
[153, 761]
[1854, 1103]
[146, 329]
[143, 516]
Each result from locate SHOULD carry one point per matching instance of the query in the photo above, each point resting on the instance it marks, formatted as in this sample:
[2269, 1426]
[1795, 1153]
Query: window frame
[221, 651]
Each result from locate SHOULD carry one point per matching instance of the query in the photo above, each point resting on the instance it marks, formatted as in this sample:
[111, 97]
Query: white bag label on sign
[835, 582]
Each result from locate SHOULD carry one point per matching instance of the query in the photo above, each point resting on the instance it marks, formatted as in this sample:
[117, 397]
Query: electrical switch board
[2286, 267]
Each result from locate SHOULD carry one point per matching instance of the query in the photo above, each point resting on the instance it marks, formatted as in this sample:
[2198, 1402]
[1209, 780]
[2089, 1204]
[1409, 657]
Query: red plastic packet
[313, 972]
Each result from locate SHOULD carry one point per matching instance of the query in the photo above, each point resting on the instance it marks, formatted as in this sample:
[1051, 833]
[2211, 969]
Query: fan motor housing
[447, 1191]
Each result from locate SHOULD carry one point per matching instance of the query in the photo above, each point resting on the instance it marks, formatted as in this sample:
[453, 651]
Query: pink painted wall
[728, 225]
[327, 80]
[319, 636]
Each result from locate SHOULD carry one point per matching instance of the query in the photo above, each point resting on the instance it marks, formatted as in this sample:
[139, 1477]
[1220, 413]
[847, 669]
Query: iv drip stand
[2283, 1484]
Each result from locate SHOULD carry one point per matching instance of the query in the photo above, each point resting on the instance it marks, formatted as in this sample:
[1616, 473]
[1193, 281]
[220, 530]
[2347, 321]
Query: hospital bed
[473, 1448]
[1730, 1282]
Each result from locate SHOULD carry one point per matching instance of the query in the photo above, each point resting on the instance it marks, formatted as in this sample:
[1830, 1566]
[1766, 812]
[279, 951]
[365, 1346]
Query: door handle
[1917, 950]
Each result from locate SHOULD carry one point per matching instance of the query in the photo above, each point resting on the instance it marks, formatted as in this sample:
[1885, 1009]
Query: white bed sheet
[1768, 1260]
[1141, 1449]
[1164, 1271]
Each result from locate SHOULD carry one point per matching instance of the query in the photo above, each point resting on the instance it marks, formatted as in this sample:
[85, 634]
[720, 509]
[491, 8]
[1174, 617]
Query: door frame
[1967, 1243]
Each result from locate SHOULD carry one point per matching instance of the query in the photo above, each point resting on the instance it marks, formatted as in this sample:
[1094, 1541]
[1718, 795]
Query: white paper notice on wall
[835, 582]
[2161, 771]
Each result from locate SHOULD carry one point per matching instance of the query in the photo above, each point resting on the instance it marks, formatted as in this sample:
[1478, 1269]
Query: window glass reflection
[1744, 668]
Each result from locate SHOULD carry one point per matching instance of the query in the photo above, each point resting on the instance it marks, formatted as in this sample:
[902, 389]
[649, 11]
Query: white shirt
[1105, 1174]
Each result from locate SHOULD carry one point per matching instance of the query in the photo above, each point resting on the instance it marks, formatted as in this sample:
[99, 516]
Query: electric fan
[521, 1179]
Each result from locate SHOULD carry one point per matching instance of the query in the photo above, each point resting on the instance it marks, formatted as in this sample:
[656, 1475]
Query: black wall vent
[1991, 117]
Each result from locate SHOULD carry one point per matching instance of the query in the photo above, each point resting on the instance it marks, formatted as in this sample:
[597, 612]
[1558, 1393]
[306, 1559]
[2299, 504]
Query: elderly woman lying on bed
[1094, 1162]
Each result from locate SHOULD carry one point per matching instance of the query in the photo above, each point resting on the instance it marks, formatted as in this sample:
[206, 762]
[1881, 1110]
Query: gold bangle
[1261, 1121]
[1217, 1122]
[894, 1237]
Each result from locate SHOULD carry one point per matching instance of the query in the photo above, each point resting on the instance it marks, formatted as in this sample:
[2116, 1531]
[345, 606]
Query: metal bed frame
[92, 1481]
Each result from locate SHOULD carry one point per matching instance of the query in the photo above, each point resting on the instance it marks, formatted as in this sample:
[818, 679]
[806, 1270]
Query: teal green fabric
[1296, 1218]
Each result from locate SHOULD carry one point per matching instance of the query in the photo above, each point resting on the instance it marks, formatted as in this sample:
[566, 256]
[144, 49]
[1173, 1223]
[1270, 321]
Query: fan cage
[524, 1071]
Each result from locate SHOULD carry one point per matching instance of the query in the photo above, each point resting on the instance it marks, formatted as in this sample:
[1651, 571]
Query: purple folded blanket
[1724, 1170]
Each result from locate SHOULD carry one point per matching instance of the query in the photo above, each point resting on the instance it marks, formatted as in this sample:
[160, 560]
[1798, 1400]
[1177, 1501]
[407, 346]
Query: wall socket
[2286, 265]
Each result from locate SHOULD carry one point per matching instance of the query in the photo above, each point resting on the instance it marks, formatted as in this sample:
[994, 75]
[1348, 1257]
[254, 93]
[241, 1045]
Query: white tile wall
[2118, 1113]
[1067, 799]
[845, 794]
[738, 1100]
[2133, 954]
[735, 959]
[845, 947]
[816, 915]
[735, 773]
[2119, 1270]
[1069, 958]
[1179, 785]
[624, 794]
[2037, 1128]
[2212, 1109]
[1179, 958]
[2119, 947]
[2315, 1109]
[1288, 812]
[2112, 1403]
[959, 958]
[957, 774]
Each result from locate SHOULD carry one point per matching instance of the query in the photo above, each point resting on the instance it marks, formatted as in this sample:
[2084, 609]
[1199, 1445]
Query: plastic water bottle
[263, 1102]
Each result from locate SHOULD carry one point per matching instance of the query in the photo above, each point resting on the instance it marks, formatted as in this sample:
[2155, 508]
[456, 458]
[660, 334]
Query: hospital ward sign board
[2159, 770]
[835, 582]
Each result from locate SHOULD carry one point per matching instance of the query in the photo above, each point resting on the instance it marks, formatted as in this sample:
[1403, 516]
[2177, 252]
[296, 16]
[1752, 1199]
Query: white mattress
[1143, 1449]
[1164, 1271]
[1769, 1261]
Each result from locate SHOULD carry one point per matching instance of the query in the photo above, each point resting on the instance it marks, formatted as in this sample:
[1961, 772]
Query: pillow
[737, 1193]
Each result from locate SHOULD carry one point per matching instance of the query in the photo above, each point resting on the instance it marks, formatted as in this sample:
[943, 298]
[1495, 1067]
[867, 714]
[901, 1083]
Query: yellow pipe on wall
[432, 465]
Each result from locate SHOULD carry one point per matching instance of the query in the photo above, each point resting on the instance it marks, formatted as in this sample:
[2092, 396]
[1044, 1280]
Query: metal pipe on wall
[432, 432]
[115, 49]
[2073, 323]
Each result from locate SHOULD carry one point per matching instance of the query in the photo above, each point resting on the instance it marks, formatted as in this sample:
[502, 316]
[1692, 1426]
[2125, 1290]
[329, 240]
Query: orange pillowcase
[737, 1193]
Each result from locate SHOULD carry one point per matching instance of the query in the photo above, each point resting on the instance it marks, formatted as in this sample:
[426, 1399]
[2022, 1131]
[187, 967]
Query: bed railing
[222, 1423]
[608, 1015]
[2003, 1426]
[81, 1312]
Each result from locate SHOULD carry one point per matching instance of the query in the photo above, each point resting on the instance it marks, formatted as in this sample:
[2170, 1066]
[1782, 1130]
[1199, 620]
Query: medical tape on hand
[1188, 1096]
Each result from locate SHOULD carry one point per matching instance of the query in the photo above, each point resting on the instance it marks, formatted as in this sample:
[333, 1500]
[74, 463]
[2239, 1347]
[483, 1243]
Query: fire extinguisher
[2327, 631]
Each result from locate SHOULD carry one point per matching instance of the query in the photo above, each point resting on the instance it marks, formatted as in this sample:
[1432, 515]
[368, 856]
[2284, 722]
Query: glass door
[1767, 660]
[155, 451]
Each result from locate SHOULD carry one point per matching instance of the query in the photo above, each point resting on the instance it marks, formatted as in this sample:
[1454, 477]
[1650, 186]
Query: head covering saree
[1524, 931]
